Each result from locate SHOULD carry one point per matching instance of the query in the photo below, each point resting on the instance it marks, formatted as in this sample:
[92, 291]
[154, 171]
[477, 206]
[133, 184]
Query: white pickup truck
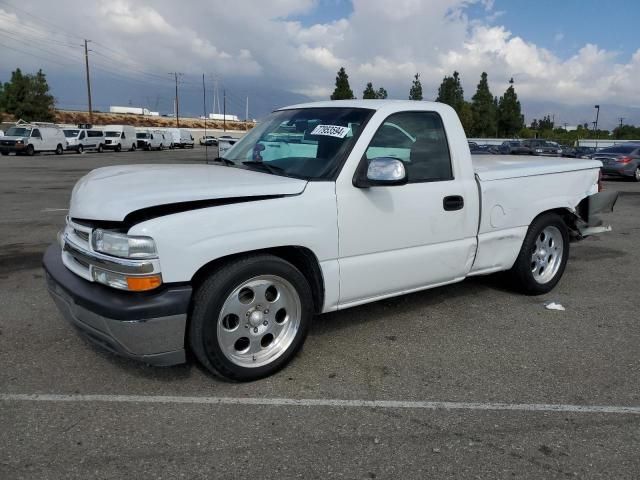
[321, 207]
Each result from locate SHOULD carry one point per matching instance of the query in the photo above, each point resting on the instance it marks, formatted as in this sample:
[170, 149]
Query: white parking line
[54, 209]
[312, 402]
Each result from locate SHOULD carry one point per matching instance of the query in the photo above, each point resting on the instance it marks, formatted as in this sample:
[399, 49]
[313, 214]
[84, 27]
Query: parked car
[225, 142]
[234, 259]
[539, 146]
[29, 139]
[514, 147]
[150, 140]
[81, 139]
[483, 149]
[208, 140]
[118, 137]
[621, 160]
[578, 152]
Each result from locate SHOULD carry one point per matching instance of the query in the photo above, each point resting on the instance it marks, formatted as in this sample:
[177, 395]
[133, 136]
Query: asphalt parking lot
[363, 398]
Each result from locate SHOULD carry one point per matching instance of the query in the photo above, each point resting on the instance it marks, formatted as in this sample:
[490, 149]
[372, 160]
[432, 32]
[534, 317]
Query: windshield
[71, 133]
[305, 143]
[112, 134]
[18, 132]
[142, 135]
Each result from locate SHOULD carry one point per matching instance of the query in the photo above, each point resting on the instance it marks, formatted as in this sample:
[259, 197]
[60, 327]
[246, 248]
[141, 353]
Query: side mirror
[381, 172]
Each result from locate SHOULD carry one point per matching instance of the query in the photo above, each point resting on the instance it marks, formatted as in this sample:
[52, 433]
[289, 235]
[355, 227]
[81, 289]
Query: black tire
[210, 298]
[147, 147]
[4, 154]
[80, 149]
[636, 176]
[118, 148]
[100, 148]
[521, 273]
[30, 150]
[59, 150]
[161, 147]
[133, 147]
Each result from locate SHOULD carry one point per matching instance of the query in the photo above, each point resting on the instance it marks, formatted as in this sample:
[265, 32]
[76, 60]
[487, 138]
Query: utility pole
[595, 127]
[621, 119]
[224, 110]
[175, 75]
[204, 108]
[86, 63]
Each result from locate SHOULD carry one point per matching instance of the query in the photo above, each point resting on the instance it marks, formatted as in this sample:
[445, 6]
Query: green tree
[451, 92]
[27, 97]
[415, 93]
[369, 93]
[466, 117]
[381, 93]
[483, 110]
[343, 90]
[510, 113]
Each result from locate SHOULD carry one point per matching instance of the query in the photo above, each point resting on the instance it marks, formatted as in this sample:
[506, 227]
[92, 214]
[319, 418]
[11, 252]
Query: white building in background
[220, 116]
[131, 110]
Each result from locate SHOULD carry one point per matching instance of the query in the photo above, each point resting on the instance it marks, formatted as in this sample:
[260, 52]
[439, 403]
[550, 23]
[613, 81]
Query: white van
[174, 135]
[81, 139]
[186, 139]
[118, 137]
[27, 138]
[150, 139]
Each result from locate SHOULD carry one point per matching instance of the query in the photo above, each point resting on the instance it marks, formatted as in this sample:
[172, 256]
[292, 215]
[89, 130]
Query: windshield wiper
[224, 161]
[265, 166]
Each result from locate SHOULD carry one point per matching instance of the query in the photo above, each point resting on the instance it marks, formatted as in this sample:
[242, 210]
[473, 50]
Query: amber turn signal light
[141, 284]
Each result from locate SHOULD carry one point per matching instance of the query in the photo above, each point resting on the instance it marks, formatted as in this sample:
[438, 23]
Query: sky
[564, 56]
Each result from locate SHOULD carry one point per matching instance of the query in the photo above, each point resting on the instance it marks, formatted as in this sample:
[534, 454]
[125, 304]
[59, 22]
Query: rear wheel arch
[300, 257]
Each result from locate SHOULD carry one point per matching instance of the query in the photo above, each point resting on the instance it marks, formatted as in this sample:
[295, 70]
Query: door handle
[453, 202]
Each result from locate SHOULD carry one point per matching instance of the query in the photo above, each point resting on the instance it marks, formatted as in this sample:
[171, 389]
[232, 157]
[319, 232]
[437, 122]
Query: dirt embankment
[73, 117]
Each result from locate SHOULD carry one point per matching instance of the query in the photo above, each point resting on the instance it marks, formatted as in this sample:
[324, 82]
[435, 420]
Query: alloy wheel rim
[259, 321]
[546, 256]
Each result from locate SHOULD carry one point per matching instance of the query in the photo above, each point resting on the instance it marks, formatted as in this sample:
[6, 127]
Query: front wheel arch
[301, 257]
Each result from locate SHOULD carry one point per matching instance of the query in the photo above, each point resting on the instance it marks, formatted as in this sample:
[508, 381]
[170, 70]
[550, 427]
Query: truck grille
[7, 143]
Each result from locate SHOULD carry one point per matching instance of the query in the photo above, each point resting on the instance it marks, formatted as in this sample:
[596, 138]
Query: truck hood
[111, 193]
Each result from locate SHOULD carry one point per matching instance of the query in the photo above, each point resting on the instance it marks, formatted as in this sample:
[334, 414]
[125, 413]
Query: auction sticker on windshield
[331, 131]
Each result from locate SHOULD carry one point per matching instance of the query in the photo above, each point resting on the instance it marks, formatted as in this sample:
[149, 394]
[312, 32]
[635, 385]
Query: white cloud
[381, 41]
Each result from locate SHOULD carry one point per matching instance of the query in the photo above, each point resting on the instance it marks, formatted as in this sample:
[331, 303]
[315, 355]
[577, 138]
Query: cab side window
[418, 139]
[81, 137]
[123, 135]
[36, 133]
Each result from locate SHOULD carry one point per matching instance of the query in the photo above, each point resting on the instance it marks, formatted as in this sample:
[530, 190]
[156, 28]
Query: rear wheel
[250, 317]
[636, 175]
[161, 147]
[133, 147]
[543, 256]
[80, 149]
[100, 148]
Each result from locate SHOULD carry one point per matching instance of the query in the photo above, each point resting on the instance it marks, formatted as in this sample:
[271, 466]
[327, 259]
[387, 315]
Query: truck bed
[498, 167]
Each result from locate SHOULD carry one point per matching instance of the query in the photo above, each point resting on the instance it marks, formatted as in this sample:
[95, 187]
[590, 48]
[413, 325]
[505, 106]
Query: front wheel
[80, 149]
[118, 148]
[133, 147]
[250, 317]
[543, 256]
[100, 148]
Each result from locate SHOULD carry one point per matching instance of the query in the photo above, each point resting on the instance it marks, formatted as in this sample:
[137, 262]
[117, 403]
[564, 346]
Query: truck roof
[373, 105]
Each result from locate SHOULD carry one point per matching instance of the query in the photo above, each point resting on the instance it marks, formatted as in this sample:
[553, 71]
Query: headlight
[122, 245]
[538, 150]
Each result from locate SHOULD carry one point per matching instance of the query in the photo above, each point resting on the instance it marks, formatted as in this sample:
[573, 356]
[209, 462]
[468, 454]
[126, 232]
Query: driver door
[396, 239]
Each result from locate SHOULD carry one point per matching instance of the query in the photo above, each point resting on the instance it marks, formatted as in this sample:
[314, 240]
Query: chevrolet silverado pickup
[321, 207]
